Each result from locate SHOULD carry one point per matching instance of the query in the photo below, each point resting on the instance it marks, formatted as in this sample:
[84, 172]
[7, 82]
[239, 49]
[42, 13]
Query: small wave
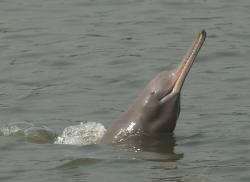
[82, 134]
[15, 128]
[35, 133]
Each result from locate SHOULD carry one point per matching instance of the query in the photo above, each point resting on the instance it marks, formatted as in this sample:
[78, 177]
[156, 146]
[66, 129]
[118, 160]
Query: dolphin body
[157, 108]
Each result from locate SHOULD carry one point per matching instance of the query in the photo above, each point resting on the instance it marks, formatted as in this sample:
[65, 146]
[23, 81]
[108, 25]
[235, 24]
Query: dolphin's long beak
[187, 61]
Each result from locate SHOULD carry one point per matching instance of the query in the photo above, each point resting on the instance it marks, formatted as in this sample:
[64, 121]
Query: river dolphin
[157, 108]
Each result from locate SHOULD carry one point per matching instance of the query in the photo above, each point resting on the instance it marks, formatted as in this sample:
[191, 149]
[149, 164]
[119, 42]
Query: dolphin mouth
[187, 61]
[183, 69]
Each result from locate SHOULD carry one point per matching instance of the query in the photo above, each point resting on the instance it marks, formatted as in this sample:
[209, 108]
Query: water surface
[64, 62]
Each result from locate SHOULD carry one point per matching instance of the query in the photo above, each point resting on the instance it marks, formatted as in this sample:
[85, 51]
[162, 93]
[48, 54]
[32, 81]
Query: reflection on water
[157, 148]
[80, 162]
[158, 144]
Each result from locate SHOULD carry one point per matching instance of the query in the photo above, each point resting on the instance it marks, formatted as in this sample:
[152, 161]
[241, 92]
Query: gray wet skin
[157, 108]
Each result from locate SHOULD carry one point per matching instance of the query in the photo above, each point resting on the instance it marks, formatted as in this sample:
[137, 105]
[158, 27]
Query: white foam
[83, 134]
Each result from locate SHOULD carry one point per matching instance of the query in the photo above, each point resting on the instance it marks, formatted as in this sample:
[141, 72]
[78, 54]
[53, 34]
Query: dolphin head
[157, 108]
[160, 105]
[160, 100]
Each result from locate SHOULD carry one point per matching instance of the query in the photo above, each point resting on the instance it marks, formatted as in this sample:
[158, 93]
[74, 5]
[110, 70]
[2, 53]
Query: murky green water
[62, 62]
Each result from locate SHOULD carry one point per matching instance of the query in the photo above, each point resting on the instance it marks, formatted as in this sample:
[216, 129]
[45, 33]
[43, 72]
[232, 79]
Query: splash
[83, 134]
[15, 128]
[35, 133]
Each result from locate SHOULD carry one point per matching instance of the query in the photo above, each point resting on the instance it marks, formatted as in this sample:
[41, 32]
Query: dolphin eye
[153, 92]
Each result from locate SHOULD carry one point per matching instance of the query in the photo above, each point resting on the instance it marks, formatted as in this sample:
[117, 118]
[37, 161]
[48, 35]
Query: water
[84, 134]
[66, 62]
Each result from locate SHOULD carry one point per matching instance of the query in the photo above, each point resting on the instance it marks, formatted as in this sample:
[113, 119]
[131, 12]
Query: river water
[65, 62]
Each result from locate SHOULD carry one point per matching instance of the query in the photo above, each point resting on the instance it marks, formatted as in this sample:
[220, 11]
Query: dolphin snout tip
[203, 33]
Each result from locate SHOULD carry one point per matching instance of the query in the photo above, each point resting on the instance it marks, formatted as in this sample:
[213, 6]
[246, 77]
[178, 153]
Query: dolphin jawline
[185, 65]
